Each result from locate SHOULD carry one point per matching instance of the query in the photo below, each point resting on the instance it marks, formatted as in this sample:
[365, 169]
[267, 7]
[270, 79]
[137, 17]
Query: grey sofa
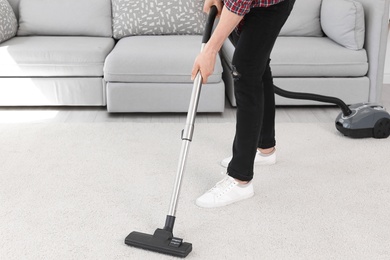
[89, 53]
[114, 54]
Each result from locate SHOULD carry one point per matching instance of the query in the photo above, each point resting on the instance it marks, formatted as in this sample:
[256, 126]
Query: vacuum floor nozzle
[162, 241]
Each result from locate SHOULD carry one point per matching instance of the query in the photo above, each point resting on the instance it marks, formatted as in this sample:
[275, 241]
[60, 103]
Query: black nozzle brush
[162, 241]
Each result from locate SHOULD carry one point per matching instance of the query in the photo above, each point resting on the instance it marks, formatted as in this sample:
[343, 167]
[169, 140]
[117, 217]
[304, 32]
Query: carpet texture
[75, 191]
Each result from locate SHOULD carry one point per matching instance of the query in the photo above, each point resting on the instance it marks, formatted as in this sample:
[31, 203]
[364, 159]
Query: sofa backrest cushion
[8, 22]
[67, 17]
[304, 19]
[343, 22]
[157, 17]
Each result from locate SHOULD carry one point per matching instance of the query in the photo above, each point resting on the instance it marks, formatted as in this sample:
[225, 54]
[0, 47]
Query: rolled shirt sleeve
[239, 7]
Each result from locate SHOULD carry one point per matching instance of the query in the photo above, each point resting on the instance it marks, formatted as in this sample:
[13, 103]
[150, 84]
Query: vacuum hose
[314, 97]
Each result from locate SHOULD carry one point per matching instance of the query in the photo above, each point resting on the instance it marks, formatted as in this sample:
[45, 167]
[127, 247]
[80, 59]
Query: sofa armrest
[377, 21]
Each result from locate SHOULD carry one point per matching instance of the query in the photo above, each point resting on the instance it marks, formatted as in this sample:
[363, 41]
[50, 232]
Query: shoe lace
[222, 185]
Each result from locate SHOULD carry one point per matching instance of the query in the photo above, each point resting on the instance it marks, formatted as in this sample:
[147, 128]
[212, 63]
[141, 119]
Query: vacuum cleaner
[163, 241]
[356, 121]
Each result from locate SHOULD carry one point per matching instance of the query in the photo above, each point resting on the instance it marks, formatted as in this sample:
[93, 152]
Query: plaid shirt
[242, 7]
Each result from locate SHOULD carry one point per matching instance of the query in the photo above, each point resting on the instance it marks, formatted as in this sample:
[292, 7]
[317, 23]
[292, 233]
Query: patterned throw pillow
[157, 17]
[8, 22]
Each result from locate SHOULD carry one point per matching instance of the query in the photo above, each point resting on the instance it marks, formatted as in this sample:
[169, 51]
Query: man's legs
[267, 142]
[250, 61]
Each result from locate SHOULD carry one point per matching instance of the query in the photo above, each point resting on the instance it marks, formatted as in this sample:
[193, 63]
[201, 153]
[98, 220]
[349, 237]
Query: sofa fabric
[304, 19]
[164, 59]
[157, 17]
[55, 91]
[70, 17]
[153, 74]
[49, 56]
[343, 22]
[308, 59]
[8, 22]
[163, 97]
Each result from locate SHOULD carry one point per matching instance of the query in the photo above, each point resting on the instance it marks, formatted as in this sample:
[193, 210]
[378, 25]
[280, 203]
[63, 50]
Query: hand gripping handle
[189, 129]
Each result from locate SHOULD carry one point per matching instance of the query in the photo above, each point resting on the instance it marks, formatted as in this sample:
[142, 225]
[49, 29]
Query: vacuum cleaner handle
[188, 131]
[209, 24]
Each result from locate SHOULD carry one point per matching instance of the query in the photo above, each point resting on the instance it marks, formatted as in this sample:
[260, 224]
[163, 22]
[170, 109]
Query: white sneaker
[260, 159]
[224, 193]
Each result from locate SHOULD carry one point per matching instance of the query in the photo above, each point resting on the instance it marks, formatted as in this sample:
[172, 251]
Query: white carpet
[75, 191]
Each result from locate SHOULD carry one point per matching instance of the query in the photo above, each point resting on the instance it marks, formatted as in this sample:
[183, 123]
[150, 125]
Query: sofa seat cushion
[163, 59]
[48, 56]
[311, 57]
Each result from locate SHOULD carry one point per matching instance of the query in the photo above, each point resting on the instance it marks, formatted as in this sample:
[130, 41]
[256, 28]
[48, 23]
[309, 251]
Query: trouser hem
[234, 174]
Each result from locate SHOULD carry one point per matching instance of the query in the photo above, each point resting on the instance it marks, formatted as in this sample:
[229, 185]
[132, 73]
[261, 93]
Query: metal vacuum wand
[162, 240]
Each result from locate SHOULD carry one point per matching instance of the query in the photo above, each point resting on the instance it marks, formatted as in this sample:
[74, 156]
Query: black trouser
[253, 85]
